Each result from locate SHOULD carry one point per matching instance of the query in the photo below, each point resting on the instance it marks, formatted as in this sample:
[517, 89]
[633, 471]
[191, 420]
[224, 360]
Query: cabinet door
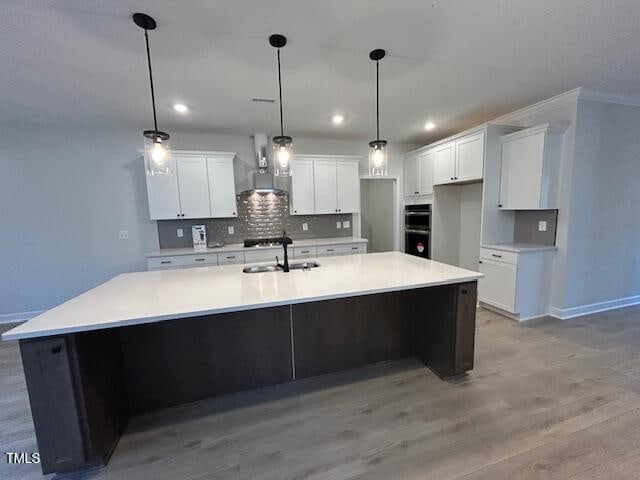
[425, 173]
[521, 173]
[222, 187]
[163, 195]
[498, 287]
[470, 155]
[325, 189]
[193, 186]
[411, 177]
[348, 187]
[302, 191]
[444, 164]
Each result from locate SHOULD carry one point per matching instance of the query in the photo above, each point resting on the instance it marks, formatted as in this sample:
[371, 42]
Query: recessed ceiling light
[181, 108]
[337, 119]
[429, 126]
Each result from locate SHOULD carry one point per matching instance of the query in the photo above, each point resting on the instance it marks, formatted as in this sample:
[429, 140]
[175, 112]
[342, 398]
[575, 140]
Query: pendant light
[377, 147]
[157, 153]
[281, 144]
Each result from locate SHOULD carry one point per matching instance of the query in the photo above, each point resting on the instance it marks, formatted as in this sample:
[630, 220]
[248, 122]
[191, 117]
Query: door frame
[396, 206]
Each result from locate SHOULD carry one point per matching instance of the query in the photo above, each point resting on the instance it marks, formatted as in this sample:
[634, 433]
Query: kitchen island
[149, 340]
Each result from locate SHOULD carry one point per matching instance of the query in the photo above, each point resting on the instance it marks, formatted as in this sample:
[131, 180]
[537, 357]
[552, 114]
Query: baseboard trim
[510, 315]
[18, 317]
[566, 313]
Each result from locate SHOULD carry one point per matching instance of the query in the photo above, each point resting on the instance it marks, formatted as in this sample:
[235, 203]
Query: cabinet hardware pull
[55, 350]
[499, 205]
[329, 249]
[295, 211]
[231, 257]
[495, 255]
[464, 292]
[479, 261]
[165, 262]
[354, 248]
[200, 259]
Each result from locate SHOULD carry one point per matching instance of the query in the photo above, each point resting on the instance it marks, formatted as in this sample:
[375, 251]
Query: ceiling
[455, 62]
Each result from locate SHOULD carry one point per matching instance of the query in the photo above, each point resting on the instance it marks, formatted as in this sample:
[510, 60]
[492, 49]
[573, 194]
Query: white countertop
[520, 247]
[146, 297]
[239, 247]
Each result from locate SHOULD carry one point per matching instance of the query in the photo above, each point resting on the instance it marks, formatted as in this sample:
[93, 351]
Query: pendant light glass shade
[282, 155]
[377, 147]
[378, 158]
[157, 153]
[282, 151]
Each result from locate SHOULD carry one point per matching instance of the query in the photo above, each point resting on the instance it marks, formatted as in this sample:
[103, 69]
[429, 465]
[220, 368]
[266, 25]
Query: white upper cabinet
[459, 161]
[222, 186]
[325, 184]
[348, 187]
[444, 164]
[163, 194]
[198, 185]
[325, 181]
[412, 177]
[302, 188]
[193, 186]
[529, 169]
[470, 158]
[425, 173]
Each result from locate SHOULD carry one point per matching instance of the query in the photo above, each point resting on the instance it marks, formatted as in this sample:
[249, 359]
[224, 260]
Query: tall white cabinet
[198, 185]
[302, 188]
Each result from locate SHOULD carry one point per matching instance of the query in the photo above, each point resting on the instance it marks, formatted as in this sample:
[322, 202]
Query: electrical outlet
[305, 226]
[123, 234]
[346, 224]
[180, 232]
[542, 226]
[338, 225]
[230, 230]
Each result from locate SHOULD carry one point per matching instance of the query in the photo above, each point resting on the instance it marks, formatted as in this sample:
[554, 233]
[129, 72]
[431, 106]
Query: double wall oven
[417, 230]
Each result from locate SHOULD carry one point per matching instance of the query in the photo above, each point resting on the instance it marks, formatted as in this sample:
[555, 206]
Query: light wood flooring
[547, 400]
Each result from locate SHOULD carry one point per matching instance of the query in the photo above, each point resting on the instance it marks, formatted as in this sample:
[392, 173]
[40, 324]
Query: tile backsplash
[526, 226]
[260, 215]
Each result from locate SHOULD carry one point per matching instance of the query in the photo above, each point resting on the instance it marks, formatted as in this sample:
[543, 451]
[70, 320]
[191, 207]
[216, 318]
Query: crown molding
[594, 96]
[570, 96]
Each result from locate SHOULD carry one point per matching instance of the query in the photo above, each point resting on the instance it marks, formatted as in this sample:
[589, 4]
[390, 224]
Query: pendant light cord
[280, 91]
[153, 96]
[377, 100]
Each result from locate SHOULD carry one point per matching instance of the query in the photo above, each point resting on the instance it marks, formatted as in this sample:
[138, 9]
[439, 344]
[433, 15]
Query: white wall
[65, 194]
[603, 261]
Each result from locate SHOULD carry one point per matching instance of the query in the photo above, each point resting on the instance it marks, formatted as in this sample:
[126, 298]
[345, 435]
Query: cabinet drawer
[355, 249]
[499, 256]
[210, 259]
[176, 261]
[262, 256]
[230, 258]
[305, 252]
[330, 250]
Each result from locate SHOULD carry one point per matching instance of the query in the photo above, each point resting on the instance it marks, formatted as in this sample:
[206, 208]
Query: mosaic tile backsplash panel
[260, 215]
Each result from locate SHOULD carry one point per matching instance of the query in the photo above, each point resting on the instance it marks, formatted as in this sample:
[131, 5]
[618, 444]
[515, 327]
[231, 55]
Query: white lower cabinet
[517, 283]
[249, 256]
[498, 287]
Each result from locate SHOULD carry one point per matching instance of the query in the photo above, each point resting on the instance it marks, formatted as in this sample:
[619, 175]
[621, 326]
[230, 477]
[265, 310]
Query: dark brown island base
[84, 386]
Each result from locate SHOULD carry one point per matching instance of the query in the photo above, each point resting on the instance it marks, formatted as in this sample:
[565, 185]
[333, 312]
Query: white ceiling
[455, 62]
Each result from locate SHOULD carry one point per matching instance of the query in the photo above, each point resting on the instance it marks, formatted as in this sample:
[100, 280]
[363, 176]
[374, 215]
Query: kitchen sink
[274, 268]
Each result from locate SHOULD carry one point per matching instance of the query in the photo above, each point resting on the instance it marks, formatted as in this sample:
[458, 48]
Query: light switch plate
[346, 224]
[180, 232]
[230, 230]
[338, 224]
[123, 234]
[305, 226]
[542, 226]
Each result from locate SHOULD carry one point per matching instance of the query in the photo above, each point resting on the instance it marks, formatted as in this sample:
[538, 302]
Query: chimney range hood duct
[263, 179]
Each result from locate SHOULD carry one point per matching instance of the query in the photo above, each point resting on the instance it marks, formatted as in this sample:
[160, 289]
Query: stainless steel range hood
[263, 179]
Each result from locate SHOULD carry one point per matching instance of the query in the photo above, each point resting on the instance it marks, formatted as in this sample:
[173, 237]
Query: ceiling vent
[263, 100]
